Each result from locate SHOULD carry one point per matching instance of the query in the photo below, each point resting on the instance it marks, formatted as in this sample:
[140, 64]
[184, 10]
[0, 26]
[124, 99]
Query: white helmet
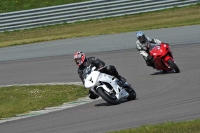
[141, 37]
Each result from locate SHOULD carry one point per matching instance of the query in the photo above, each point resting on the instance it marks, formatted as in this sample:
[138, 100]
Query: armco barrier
[83, 11]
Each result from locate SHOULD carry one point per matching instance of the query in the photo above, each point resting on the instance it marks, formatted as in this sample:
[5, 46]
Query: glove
[94, 68]
[143, 53]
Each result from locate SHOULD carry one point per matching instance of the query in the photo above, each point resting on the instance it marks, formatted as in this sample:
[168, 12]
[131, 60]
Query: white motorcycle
[107, 87]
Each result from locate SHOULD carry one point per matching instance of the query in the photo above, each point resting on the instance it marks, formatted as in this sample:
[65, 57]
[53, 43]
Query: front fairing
[92, 79]
[161, 54]
[157, 52]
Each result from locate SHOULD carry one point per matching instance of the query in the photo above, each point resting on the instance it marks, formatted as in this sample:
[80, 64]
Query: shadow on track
[163, 73]
[107, 104]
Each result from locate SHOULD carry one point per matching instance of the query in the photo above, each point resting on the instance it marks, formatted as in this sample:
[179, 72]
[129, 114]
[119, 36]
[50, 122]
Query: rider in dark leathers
[83, 62]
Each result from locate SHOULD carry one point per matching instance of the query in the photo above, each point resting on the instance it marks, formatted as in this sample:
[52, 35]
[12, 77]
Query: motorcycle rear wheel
[105, 96]
[173, 66]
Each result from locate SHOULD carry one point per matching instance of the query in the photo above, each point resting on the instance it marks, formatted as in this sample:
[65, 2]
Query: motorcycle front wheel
[106, 97]
[132, 94]
[173, 66]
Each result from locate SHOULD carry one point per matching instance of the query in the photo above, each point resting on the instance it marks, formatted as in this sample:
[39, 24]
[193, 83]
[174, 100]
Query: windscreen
[152, 46]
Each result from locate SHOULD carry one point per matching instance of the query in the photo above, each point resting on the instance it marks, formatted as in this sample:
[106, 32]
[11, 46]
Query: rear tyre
[106, 97]
[173, 66]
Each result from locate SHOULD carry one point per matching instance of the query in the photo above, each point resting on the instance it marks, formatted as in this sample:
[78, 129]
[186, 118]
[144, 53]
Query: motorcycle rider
[83, 62]
[144, 44]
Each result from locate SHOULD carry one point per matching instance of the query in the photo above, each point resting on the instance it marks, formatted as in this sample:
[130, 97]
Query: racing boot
[150, 61]
[92, 95]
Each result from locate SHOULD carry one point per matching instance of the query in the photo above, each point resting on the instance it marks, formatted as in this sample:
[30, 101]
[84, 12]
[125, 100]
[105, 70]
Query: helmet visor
[142, 38]
[78, 61]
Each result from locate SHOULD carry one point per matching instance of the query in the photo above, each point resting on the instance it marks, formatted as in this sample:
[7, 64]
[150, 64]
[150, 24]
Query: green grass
[22, 99]
[18, 5]
[153, 20]
[169, 127]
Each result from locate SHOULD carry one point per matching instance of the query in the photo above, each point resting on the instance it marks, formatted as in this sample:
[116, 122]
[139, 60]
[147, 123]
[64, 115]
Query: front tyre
[132, 94]
[173, 66]
[106, 96]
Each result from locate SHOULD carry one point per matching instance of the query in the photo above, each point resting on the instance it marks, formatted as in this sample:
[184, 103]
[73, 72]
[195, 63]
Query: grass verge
[18, 5]
[22, 99]
[153, 20]
[169, 127]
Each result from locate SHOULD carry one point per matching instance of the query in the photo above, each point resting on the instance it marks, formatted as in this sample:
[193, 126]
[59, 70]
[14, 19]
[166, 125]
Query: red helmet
[79, 58]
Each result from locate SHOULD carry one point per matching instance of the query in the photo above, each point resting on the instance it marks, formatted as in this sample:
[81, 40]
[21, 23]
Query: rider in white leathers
[144, 44]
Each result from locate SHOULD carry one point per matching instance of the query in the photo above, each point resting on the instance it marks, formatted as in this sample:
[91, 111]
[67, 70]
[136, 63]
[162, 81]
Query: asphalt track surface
[160, 97]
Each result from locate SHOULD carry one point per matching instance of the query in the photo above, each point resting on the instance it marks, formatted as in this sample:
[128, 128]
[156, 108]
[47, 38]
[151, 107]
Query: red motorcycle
[163, 59]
